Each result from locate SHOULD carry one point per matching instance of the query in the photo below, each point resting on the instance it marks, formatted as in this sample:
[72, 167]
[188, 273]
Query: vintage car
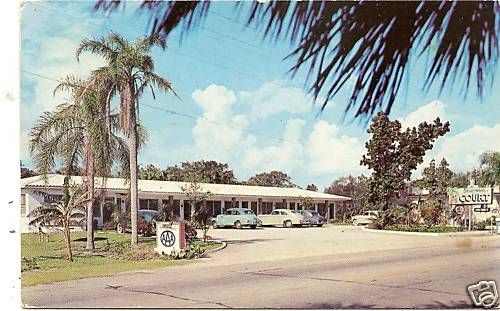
[283, 217]
[145, 223]
[236, 217]
[313, 218]
[365, 218]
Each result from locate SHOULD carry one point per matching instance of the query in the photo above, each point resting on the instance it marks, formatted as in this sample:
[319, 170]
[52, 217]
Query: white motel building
[114, 191]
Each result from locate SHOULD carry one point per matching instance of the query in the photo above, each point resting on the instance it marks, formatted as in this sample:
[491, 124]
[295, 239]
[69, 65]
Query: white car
[283, 217]
[365, 218]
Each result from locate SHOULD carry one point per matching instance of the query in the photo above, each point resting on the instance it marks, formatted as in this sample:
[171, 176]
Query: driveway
[272, 243]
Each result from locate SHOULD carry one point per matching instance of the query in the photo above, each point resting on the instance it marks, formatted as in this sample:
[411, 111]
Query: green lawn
[45, 262]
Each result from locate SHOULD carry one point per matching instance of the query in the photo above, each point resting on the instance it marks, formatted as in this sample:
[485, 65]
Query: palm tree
[77, 133]
[367, 41]
[129, 72]
[69, 209]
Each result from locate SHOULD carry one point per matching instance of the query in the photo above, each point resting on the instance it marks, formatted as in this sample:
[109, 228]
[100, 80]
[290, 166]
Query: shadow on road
[249, 241]
[432, 305]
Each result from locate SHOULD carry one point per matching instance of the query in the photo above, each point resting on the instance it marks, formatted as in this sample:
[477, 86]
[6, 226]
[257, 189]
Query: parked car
[145, 223]
[285, 217]
[236, 217]
[313, 218]
[365, 218]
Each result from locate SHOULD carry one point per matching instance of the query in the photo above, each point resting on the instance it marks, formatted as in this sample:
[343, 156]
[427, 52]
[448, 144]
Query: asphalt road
[423, 277]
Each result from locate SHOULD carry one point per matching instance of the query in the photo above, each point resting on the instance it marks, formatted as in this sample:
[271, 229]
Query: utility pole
[472, 183]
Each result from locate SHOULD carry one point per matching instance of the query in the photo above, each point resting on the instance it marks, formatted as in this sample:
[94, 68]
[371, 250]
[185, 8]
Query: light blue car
[237, 218]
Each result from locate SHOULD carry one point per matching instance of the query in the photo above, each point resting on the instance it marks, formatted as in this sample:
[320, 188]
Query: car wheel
[288, 224]
[237, 224]
[253, 226]
[214, 224]
[119, 228]
[355, 222]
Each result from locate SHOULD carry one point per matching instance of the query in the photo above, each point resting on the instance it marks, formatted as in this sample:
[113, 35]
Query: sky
[238, 105]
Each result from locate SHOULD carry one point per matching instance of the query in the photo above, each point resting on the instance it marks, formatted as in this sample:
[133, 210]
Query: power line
[243, 73]
[185, 115]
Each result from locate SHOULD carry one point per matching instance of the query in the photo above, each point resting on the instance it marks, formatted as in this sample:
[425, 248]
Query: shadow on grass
[97, 238]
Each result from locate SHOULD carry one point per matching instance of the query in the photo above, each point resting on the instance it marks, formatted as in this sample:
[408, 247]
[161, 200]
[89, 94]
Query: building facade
[113, 193]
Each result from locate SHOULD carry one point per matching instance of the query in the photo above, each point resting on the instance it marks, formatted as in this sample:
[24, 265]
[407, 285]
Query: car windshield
[294, 212]
[248, 212]
[315, 213]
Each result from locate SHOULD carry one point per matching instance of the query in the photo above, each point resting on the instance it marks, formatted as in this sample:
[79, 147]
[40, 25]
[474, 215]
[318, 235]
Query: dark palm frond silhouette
[367, 44]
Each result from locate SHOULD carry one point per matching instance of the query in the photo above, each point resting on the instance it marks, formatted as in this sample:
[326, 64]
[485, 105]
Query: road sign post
[170, 237]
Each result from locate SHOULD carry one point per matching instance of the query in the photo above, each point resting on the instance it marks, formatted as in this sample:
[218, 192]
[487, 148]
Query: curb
[224, 245]
[433, 234]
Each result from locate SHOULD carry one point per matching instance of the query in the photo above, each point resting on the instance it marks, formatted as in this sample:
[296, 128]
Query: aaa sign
[470, 196]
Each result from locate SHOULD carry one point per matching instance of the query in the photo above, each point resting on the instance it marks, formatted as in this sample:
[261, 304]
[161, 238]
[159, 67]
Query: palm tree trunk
[90, 211]
[133, 172]
[67, 237]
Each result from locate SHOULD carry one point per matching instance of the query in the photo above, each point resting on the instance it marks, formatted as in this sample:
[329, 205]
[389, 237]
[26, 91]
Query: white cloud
[332, 153]
[428, 113]
[287, 155]
[463, 149]
[223, 135]
[276, 97]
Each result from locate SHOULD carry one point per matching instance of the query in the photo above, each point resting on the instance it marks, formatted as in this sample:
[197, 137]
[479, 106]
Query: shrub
[110, 225]
[117, 248]
[141, 253]
[432, 229]
[28, 264]
[145, 228]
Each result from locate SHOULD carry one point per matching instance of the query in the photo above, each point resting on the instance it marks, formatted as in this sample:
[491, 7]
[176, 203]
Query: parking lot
[273, 243]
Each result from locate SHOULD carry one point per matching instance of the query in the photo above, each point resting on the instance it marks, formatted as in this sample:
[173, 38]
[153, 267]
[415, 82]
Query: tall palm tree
[367, 41]
[69, 208]
[128, 73]
[76, 132]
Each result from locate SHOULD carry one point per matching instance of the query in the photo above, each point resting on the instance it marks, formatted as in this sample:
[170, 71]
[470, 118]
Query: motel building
[152, 194]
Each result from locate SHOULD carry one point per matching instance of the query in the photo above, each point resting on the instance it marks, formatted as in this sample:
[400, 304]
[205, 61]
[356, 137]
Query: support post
[222, 206]
[285, 205]
[233, 202]
[327, 210]
[259, 206]
[181, 209]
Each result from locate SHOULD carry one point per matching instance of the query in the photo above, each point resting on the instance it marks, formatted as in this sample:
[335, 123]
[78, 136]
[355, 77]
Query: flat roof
[174, 187]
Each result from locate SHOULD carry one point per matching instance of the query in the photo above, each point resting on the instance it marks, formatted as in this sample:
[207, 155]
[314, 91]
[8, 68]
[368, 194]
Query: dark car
[145, 223]
[313, 217]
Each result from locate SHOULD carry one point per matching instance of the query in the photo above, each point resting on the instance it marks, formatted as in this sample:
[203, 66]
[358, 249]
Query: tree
[77, 133]
[489, 169]
[356, 189]
[197, 198]
[69, 209]
[272, 179]
[392, 155]
[208, 171]
[312, 187]
[26, 172]
[372, 41]
[306, 202]
[436, 180]
[129, 72]
[150, 172]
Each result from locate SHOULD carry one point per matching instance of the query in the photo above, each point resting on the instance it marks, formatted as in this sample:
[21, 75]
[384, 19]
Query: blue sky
[245, 109]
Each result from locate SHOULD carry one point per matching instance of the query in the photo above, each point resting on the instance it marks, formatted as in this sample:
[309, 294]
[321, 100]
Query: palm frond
[367, 44]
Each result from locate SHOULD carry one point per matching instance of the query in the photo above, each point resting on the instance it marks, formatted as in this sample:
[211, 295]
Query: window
[275, 213]
[235, 212]
[227, 212]
[283, 213]
[244, 204]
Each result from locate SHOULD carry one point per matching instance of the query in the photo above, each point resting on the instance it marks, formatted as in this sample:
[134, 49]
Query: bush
[141, 253]
[145, 228]
[28, 264]
[481, 225]
[117, 248]
[110, 225]
[428, 229]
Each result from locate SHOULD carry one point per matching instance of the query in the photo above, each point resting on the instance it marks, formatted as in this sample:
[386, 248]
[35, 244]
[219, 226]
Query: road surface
[420, 277]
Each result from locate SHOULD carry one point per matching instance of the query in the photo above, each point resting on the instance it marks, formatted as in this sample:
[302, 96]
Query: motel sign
[470, 196]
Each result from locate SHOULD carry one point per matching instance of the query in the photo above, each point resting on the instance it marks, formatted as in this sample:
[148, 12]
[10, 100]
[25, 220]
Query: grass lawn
[45, 262]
